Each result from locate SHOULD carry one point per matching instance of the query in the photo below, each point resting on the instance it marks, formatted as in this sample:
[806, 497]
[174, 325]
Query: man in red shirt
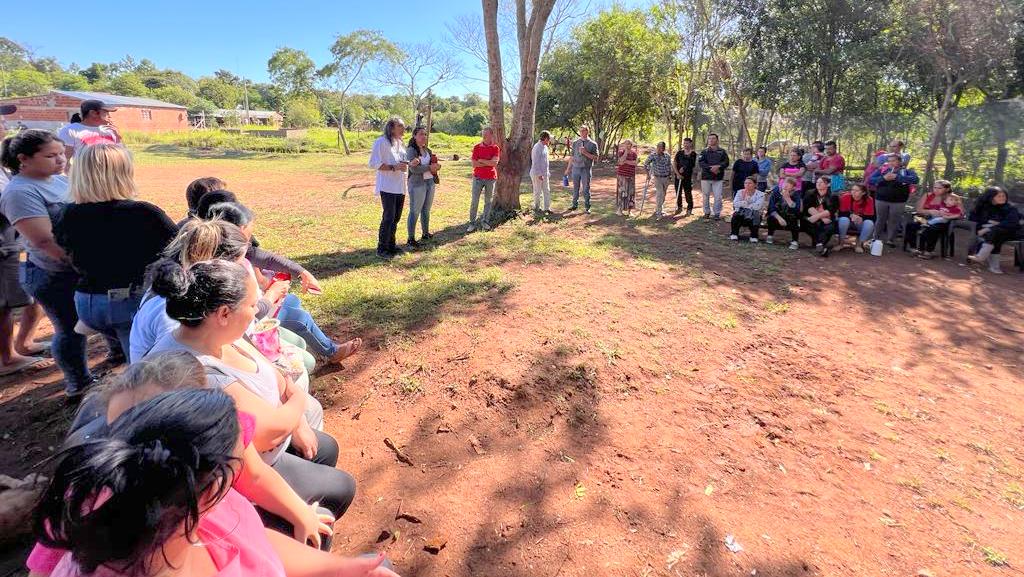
[485, 173]
[832, 165]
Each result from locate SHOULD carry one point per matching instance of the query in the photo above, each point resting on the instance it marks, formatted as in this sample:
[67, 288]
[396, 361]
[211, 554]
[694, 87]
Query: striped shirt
[659, 164]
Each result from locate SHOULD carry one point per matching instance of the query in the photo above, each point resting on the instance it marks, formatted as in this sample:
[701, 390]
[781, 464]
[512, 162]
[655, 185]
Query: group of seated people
[210, 436]
[860, 216]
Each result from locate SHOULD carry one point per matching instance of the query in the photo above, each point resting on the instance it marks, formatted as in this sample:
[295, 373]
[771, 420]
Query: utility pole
[245, 91]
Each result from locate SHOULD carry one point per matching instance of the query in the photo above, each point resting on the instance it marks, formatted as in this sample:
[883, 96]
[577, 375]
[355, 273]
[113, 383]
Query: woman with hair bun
[215, 302]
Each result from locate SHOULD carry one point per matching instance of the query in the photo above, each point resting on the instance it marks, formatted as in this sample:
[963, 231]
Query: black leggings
[819, 232]
[684, 185]
[314, 480]
[739, 220]
[792, 225]
[998, 236]
[392, 205]
[928, 236]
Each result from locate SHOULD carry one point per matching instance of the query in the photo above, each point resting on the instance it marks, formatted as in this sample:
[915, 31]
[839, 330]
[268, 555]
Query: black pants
[314, 480]
[929, 235]
[792, 225]
[819, 232]
[998, 236]
[738, 220]
[684, 185]
[392, 204]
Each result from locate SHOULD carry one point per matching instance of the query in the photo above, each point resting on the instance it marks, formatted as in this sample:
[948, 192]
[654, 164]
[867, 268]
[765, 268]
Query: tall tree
[518, 141]
[416, 69]
[353, 54]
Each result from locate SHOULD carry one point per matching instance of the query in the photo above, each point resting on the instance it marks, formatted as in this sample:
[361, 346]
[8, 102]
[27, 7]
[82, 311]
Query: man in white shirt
[540, 173]
[94, 128]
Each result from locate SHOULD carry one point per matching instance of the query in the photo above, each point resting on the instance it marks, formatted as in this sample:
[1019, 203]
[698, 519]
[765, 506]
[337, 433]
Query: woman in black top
[998, 221]
[685, 161]
[819, 214]
[111, 239]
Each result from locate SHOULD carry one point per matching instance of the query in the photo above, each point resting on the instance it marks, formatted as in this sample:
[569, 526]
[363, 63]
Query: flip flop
[347, 349]
[24, 363]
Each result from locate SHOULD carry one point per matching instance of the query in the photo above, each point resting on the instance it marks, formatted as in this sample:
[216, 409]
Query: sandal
[346, 350]
[20, 365]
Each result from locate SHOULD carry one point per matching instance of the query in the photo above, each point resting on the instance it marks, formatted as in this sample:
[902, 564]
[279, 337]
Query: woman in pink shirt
[154, 497]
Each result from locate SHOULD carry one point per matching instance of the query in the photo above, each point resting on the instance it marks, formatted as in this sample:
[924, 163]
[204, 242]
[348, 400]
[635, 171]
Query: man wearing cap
[94, 128]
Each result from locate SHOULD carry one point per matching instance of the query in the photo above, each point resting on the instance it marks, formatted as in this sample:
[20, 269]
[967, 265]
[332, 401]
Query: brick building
[54, 109]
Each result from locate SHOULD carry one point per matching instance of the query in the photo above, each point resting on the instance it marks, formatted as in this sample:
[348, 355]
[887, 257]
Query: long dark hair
[194, 293]
[27, 142]
[412, 139]
[211, 198]
[116, 500]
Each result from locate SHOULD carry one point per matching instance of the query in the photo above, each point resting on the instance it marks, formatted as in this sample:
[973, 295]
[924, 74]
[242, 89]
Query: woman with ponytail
[215, 302]
[155, 497]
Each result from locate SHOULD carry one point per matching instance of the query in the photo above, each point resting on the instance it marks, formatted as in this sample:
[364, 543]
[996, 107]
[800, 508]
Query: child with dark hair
[199, 187]
[137, 501]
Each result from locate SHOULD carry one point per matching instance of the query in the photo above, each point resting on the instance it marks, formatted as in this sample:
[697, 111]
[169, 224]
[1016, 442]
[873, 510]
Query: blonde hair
[102, 172]
[203, 240]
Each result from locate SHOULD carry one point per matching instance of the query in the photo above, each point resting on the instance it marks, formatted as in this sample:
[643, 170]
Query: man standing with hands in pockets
[713, 162]
[485, 173]
[584, 153]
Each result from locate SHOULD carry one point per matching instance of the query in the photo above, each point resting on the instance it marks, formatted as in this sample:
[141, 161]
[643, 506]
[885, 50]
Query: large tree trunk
[496, 100]
[515, 154]
[1001, 136]
[941, 121]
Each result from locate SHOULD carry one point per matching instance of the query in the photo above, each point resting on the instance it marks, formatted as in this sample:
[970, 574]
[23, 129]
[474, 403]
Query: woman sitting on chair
[932, 216]
[998, 221]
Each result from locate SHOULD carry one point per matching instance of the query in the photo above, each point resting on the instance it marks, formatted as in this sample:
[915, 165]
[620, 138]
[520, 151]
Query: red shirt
[864, 207]
[626, 169]
[835, 161]
[486, 152]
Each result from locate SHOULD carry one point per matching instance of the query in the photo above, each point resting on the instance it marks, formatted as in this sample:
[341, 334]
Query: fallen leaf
[384, 536]
[400, 454]
[580, 491]
[709, 489]
[435, 545]
[475, 443]
[675, 557]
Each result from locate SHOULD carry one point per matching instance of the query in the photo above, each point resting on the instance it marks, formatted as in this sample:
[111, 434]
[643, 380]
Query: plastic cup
[266, 338]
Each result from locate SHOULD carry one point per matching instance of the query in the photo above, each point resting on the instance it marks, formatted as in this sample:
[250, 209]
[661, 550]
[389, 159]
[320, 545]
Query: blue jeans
[867, 228]
[581, 180]
[55, 292]
[112, 318]
[421, 197]
[483, 186]
[295, 318]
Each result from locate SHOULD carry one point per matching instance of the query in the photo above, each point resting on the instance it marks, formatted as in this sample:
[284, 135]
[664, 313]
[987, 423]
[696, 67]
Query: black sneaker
[384, 254]
[413, 244]
[825, 251]
[707, 217]
[426, 236]
[718, 217]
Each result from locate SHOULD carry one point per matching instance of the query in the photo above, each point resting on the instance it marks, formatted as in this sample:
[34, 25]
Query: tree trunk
[1001, 151]
[340, 121]
[515, 154]
[496, 100]
[942, 119]
[947, 146]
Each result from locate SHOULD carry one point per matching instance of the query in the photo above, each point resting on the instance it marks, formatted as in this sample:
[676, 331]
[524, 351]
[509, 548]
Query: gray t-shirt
[578, 160]
[810, 157]
[262, 383]
[31, 198]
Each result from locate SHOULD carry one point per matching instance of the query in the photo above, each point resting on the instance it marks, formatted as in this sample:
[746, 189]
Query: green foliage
[221, 93]
[26, 82]
[302, 112]
[128, 84]
[293, 70]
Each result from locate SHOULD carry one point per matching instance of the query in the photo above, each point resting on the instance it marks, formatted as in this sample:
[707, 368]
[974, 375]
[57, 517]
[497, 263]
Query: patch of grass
[913, 483]
[962, 502]
[994, 557]
[943, 455]
[1014, 495]
[884, 408]
[776, 307]
[982, 448]
[410, 385]
[611, 353]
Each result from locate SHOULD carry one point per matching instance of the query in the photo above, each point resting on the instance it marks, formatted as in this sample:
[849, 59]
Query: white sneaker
[769, 240]
[470, 228]
[794, 245]
[733, 237]
[753, 239]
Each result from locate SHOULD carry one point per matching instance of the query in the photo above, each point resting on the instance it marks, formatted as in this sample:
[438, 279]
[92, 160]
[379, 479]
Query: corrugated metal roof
[221, 112]
[115, 100]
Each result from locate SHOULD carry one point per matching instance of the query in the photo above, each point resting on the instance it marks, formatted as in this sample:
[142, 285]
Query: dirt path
[848, 416]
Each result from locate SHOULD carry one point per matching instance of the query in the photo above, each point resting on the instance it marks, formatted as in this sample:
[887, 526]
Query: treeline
[23, 73]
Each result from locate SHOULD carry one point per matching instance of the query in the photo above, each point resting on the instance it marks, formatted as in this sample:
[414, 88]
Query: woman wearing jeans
[111, 239]
[421, 184]
[388, 157]
[36, 194]
[857, 213]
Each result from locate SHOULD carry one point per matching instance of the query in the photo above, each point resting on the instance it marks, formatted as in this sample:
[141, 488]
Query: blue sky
[200, 37]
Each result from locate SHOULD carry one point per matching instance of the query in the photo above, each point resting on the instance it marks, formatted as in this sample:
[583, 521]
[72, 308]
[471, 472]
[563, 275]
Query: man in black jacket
[713, 161]
[685, 161]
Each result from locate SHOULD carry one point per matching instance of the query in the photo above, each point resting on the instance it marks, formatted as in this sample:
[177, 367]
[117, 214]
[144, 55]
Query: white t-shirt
[385, 152]
[78, 135]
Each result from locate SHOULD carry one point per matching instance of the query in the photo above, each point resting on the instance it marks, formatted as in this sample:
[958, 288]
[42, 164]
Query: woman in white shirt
[388, 157]
[540, 173]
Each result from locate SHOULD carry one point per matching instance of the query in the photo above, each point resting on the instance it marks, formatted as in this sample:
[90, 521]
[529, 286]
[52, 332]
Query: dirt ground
[841, 416]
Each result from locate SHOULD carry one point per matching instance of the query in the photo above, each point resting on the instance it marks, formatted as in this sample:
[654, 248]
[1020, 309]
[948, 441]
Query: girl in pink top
[153, 497]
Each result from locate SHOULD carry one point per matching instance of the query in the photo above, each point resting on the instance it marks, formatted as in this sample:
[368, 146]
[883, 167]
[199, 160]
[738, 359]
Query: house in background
[54, 109]
[237, 117]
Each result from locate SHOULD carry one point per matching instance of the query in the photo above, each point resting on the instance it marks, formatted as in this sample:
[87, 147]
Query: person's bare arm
[39, 231]
[273, 424]
[301, 561]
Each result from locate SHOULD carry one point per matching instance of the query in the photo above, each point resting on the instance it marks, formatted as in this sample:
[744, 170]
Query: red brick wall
[53, 108]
